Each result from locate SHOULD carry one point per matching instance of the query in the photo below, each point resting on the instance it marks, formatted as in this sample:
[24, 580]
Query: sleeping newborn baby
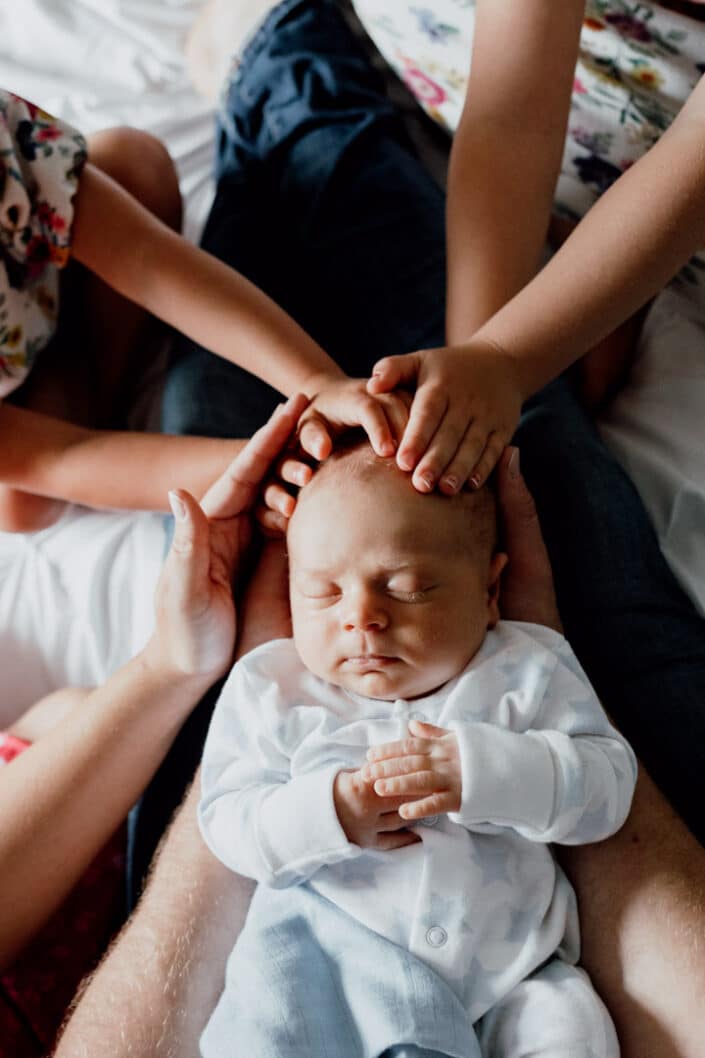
[394, 776]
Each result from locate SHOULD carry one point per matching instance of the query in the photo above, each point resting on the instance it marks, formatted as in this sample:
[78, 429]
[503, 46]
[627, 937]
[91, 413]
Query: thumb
[520, 518]
[422, 729]
[188, 563]
[393, 371]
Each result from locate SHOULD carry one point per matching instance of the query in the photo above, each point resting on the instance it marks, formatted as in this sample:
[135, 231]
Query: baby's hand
[425, 767]
[464, 412]
[340, 403]
[370, 821]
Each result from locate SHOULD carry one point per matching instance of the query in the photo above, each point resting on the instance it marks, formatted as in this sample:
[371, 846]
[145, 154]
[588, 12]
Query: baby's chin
[386, 686]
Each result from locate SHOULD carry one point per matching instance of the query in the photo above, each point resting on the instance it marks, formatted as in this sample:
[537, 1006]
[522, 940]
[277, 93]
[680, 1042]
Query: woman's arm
[506, 153]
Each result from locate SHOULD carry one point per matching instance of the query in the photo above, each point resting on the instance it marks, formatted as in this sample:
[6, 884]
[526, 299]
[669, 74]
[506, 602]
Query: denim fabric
[323, 203]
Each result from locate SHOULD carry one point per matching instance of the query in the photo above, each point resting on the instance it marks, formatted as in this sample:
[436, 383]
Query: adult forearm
[72, 788]
[156, 989]
[105, 468]
[626, 248]
[642, 913]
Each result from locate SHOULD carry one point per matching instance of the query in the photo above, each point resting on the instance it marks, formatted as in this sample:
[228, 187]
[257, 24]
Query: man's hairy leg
[155, 989]
[642, 911]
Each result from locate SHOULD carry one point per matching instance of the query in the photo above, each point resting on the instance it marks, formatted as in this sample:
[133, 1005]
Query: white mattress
[105, 62]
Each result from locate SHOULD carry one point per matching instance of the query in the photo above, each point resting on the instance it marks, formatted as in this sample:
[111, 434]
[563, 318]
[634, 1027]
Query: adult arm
[159, 983]
[641, 893]
[55, 812]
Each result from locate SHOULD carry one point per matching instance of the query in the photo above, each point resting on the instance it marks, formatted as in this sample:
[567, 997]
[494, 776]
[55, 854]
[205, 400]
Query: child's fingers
[393, 371]
[315, 439]
[374, 422]
[441, 450]
[427, 412]
[418, 782]
[396, 407]
[496, 444]
[460, 467]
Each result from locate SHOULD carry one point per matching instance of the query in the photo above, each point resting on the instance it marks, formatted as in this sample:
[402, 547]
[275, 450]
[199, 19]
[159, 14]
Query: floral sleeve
[40, 164]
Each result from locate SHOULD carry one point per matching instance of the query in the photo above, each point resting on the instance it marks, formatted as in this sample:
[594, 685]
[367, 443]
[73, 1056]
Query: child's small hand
[425, 767]
[340, 403]
[370, 821]
[466, 406]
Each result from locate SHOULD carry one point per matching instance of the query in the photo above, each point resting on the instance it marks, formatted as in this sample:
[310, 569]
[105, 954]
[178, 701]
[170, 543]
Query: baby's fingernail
[178, 507]
[513, 466]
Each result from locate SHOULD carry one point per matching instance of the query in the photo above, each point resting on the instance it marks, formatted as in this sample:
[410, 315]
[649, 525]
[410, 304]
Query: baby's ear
[494, 580]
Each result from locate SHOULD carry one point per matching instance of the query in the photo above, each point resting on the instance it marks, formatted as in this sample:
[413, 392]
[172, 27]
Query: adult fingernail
[513, 465]
[178, 507]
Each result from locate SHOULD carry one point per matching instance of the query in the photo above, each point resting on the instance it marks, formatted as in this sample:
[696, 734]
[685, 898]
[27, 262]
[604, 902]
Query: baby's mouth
[369, 662]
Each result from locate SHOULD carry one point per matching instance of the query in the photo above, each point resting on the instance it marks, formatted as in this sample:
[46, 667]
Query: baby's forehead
[357, 487]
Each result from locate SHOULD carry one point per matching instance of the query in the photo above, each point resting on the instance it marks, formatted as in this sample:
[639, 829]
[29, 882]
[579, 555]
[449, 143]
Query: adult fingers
[272, 524]
[424, 730]
[236, 488]
[185, 574]
[294, 471]
[393, 371]
[528, 592]
[278, 499]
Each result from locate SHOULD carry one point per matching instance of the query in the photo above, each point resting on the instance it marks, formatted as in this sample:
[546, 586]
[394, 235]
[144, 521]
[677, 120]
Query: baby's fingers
[393, 371]
[428, 806]
[403, 748]
[418, 783]
[386, 769]
[396, 840]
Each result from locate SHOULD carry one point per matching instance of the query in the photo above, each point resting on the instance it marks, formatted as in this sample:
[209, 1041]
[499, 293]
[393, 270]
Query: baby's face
[389, 598]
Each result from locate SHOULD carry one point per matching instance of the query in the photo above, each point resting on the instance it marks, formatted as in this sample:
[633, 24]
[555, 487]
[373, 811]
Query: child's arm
[626, 248]
[144, 260]
[568, 778]
[104, 468]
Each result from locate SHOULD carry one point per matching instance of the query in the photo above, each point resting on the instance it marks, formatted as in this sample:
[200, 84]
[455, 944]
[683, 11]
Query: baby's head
[392, 592]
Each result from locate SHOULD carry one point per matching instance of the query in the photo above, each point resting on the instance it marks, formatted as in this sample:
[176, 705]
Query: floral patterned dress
[638, 63]
[40, 164]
